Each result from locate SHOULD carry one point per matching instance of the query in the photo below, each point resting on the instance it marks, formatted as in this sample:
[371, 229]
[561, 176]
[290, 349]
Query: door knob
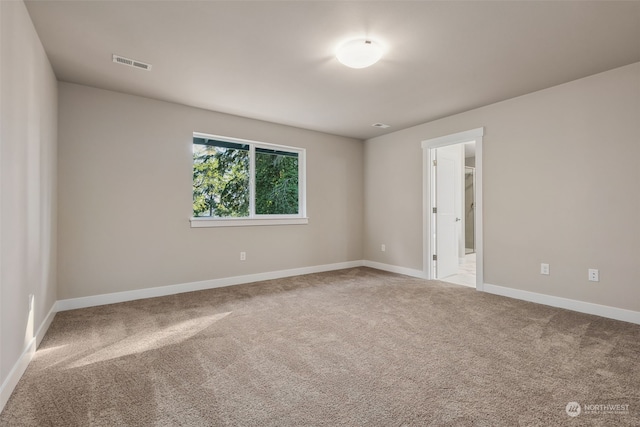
[457, 219]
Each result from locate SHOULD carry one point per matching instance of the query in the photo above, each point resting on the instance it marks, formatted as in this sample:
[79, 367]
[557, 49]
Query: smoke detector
[131, 62]
[380, 125]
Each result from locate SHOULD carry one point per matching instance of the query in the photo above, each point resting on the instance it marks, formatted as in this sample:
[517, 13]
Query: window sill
[202, 222]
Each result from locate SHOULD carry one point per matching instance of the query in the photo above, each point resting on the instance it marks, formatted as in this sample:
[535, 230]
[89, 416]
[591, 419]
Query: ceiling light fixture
[359, 53]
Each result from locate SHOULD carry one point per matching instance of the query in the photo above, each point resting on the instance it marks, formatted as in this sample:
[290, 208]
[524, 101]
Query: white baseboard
[20, 366]
[395, 269]
[44, 326]
[116, 297]
[16, 373]
[570, 304]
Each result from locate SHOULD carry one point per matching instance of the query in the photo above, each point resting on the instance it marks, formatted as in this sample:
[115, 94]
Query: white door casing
[428, 199]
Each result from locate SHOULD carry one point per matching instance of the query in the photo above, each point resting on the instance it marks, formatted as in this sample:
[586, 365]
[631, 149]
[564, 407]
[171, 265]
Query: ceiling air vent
[131, 62]
[380, 125]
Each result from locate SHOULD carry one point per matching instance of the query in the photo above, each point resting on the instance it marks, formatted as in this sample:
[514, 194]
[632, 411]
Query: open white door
[448, 190]
[433, 238]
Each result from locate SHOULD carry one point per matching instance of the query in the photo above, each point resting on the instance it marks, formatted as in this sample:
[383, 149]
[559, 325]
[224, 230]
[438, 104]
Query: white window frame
[254, 219]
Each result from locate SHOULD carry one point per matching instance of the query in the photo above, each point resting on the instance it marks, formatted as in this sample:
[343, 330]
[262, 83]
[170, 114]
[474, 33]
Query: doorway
[452, 201]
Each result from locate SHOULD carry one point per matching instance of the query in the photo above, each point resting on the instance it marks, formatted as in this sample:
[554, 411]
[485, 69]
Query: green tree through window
[276, 182]
[221, 179]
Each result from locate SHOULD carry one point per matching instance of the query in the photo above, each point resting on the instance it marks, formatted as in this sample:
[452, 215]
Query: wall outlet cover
[544, 269]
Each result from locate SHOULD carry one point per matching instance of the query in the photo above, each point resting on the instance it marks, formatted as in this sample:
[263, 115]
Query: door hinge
[435, 210]
[435, 257]
[435, 163]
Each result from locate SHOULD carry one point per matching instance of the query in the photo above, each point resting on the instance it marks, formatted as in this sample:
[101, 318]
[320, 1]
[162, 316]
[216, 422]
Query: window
[238, 182]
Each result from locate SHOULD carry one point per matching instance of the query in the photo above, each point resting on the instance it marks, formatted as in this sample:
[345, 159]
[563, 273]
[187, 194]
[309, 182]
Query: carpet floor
[356, 347]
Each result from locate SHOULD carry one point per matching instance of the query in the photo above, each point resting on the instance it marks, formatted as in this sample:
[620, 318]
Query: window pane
[220, 178]
[276, 182]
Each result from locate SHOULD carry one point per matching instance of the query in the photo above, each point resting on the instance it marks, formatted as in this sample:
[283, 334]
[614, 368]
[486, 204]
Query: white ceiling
[273, 60]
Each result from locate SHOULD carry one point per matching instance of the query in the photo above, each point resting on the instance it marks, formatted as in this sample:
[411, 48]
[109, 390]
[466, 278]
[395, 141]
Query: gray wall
[28, 114]
[574, 204]
[125, 174]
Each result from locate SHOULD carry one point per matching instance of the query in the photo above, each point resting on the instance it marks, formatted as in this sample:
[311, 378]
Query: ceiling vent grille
[380, 125]
[131, 62]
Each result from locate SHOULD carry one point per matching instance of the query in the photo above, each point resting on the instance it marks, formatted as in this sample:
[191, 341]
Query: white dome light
[360, 53]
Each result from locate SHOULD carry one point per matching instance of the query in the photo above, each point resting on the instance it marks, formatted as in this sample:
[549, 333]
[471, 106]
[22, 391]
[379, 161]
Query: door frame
[428, 155]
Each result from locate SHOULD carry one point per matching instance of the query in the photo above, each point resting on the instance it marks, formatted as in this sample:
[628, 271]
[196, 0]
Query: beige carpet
[356, 347]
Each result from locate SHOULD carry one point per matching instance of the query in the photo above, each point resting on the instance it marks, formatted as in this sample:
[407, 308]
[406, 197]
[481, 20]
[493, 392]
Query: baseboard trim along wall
[21, 365]
[44, 326]
[569, 304]
[113, 298]
[16, 373]
[116, 297]
[394, 269]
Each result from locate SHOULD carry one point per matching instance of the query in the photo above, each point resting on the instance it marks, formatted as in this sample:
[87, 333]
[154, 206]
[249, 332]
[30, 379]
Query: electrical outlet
[383, 247]
[594, 275]
[544, 269]
[243, 256]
